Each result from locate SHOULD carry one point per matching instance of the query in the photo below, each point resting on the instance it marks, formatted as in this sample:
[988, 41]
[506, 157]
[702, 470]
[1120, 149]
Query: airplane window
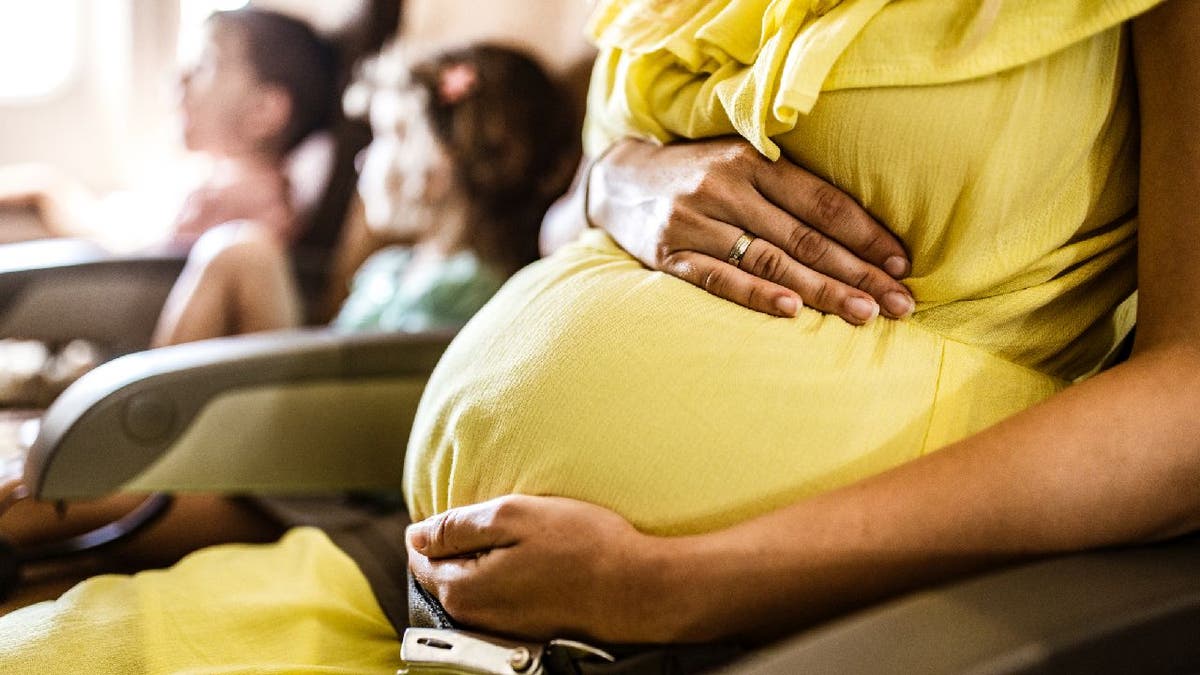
[43, 37]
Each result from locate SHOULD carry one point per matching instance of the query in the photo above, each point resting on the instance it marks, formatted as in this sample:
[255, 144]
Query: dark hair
[512, 137]
[287, 52]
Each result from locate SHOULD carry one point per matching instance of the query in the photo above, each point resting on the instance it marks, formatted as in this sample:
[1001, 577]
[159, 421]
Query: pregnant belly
[590, 377]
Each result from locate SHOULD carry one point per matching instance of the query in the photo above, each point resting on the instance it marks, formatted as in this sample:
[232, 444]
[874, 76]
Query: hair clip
[456, 82]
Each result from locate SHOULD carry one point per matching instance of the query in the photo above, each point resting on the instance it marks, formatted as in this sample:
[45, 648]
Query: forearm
[1109, 461]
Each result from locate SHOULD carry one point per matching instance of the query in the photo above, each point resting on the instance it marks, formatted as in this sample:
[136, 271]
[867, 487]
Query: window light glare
[38, 42]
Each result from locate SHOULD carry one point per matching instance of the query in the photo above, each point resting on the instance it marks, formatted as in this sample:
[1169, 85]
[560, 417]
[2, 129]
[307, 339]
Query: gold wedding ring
[739, 249]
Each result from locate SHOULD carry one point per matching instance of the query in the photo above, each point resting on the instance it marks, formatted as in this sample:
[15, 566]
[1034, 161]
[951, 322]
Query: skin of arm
[1112, 460]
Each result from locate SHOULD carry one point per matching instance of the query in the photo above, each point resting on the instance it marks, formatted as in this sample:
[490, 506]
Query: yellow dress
[1003, 153]
[1004, 157]
[299, 606]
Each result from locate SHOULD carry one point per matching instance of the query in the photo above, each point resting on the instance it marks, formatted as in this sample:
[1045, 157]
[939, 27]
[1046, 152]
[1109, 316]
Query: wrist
[738, 584]
[591, 208]
[680, 584]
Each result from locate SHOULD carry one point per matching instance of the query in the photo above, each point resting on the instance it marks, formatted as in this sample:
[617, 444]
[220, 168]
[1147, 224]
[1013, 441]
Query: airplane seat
[288, 413]
[1130, 609]
[62, 289]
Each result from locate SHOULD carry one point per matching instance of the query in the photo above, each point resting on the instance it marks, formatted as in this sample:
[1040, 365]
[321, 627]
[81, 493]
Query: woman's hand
[681, 209]
[543, 567]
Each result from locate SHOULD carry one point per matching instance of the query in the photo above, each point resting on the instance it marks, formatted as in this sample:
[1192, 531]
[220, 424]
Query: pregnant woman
[687, 468]
[1000, 142]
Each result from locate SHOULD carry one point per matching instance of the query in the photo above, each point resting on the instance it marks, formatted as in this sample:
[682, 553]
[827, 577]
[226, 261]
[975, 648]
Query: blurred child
[262, 82]
[470, 148]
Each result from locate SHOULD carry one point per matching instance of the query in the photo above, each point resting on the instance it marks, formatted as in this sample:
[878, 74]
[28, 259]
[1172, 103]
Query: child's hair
[288, 53]
[510, 131]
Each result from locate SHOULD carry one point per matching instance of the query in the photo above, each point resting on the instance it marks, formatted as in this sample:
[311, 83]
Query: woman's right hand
[681, 208]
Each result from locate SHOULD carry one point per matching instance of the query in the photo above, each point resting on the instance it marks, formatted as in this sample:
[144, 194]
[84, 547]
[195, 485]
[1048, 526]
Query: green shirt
[381, 298]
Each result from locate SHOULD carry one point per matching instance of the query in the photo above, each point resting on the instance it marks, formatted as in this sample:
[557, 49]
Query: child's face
[406, 173]
[218, 95]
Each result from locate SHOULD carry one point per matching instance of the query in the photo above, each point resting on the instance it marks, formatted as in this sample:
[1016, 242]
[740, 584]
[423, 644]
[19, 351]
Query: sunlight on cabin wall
[550, 29]
[43, 38]
[78, 53]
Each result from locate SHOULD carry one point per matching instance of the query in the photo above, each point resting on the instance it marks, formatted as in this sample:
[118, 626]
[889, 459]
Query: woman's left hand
[543, 567]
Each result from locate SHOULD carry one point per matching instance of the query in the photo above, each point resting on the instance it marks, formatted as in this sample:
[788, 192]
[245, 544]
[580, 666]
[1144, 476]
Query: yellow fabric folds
[698, 68]
[762, 61]
[299, 607]
[966, 139]
[921, 42]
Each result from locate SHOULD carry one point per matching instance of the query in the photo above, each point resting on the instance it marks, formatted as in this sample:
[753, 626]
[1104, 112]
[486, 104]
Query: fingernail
[861, 309]
[787, 305]
[418, 538]
[896, 266]
[898, 305]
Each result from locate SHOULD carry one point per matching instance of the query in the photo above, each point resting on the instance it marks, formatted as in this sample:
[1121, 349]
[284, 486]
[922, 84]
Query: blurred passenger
[470, 148]
[261, 84]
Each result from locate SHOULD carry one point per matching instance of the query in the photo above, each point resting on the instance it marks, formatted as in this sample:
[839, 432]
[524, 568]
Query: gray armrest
[291, 411]
[57, 290]
[1133, 610]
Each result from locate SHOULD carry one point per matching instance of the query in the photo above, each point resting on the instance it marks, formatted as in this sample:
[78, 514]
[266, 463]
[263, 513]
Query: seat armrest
[283, 412]
[1128, 610]
[56, 290]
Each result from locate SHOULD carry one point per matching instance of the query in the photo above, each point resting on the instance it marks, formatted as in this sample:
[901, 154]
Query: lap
[300, 605]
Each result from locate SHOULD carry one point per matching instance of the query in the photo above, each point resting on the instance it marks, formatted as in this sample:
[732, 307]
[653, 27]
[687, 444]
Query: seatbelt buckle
[441, 651]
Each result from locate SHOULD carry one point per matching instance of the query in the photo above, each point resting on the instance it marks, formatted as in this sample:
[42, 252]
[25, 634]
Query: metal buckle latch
[430, 651]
